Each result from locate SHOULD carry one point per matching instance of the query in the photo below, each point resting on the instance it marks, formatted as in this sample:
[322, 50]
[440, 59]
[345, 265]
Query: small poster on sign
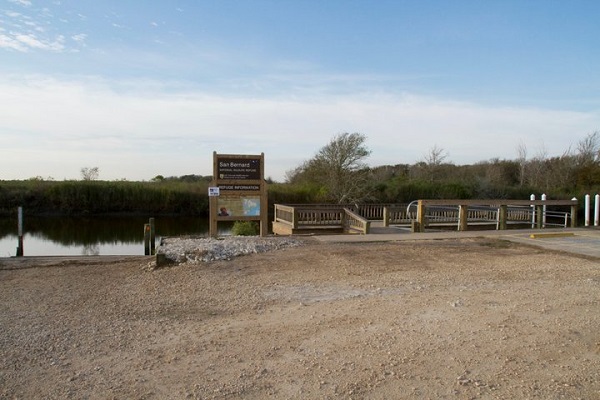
[213, 191]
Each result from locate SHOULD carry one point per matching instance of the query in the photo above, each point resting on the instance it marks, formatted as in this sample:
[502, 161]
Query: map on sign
[245, 206]
[251, 206]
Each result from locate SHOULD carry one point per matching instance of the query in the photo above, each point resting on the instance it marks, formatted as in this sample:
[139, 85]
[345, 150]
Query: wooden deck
[421, 215]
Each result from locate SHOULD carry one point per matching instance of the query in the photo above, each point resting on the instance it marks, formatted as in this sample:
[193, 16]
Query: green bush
[244, 228]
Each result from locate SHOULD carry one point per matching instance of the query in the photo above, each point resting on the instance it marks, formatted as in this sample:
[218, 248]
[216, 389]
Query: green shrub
[244, 228]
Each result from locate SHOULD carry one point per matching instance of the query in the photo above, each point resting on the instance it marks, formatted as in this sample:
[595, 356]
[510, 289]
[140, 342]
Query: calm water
[93, 236]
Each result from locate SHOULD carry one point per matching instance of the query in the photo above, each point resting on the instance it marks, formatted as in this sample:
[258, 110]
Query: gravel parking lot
[457, 319]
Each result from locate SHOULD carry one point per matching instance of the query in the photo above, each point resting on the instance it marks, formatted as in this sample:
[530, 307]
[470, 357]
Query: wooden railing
[355, 223]
[425, 213]
[370, 211]
[499, 212]
[295, 218]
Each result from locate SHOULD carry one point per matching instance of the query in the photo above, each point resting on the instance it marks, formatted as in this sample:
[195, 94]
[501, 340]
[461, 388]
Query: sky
[140, 89]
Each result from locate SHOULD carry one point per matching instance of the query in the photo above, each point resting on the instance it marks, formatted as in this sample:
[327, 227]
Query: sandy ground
[468, 319]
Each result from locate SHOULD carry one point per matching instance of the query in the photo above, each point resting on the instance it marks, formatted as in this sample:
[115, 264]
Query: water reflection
[90, 250]
[93, 235]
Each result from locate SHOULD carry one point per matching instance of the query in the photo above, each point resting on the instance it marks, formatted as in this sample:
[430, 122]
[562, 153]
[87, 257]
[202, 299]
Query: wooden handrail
[354, 222]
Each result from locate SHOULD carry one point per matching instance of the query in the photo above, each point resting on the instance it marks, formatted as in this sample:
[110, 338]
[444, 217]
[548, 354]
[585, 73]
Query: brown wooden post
[212, 202]
[463, 223]
[146, 239]
[386, 216]
[420, 217]
[574, 215]
[344, 221]
[502, 217]
[295, 218]
[152, 237]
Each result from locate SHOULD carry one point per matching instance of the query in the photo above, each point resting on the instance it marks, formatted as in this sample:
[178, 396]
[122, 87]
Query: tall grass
[104, 197]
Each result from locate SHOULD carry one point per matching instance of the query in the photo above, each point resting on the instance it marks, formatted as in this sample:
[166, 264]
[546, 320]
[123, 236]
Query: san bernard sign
[238, 169]
[238, 190]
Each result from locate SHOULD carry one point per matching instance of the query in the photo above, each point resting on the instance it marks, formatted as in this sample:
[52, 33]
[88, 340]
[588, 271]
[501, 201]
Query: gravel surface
[444, 319]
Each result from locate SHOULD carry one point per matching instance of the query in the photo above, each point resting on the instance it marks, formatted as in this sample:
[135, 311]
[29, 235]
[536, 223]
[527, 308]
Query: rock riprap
[195, 250]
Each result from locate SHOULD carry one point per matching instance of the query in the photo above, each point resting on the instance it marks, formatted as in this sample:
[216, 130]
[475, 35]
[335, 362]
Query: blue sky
[140, 89]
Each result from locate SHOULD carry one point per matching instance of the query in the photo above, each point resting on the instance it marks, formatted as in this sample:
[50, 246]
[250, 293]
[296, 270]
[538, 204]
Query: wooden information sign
[238, 191]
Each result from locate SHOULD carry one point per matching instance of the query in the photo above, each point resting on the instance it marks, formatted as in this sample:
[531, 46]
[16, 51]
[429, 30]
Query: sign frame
[239, 191]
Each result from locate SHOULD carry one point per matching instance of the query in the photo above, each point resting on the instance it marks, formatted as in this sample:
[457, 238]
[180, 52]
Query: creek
[122, 235]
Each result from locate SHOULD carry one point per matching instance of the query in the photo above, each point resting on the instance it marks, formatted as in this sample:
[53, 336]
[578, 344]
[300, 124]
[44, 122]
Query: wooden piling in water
[146, 239]
[152, 237]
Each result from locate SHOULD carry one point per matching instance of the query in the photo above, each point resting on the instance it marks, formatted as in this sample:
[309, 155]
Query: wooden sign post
[238, 191]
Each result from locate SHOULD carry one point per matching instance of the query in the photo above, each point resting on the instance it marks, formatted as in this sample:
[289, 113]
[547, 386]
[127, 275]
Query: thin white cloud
[80, 38]
[30, 41]
[25, 32]
[7, 42]
[91, 121]
[25, 3]
[13, 14]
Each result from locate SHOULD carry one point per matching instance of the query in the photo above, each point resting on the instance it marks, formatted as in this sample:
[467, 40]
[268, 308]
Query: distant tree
[433, 160]
[40, 178]
[589, 149]
[561, 172]
[522, 160]
[536, 169]
[587, 170]
[338, 169]
[90, 173]
[158, 178]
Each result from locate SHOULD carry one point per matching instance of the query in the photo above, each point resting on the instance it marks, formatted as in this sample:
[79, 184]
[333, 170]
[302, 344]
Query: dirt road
[468, 319]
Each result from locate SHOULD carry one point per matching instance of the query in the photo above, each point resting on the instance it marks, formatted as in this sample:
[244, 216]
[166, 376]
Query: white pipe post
[597, 210]
[544, 211]
[587, 210]
[532, 198]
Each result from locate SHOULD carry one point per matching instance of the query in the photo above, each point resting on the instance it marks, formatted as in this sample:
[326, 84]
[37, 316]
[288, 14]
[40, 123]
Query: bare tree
[522, 160]
[338, 168]
[433, 160]
[589, 149]
[436, 156]
[90, 173]
[537, 169]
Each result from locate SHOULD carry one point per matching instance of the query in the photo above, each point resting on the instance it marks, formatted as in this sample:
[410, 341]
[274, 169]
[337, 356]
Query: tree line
[337, 173]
